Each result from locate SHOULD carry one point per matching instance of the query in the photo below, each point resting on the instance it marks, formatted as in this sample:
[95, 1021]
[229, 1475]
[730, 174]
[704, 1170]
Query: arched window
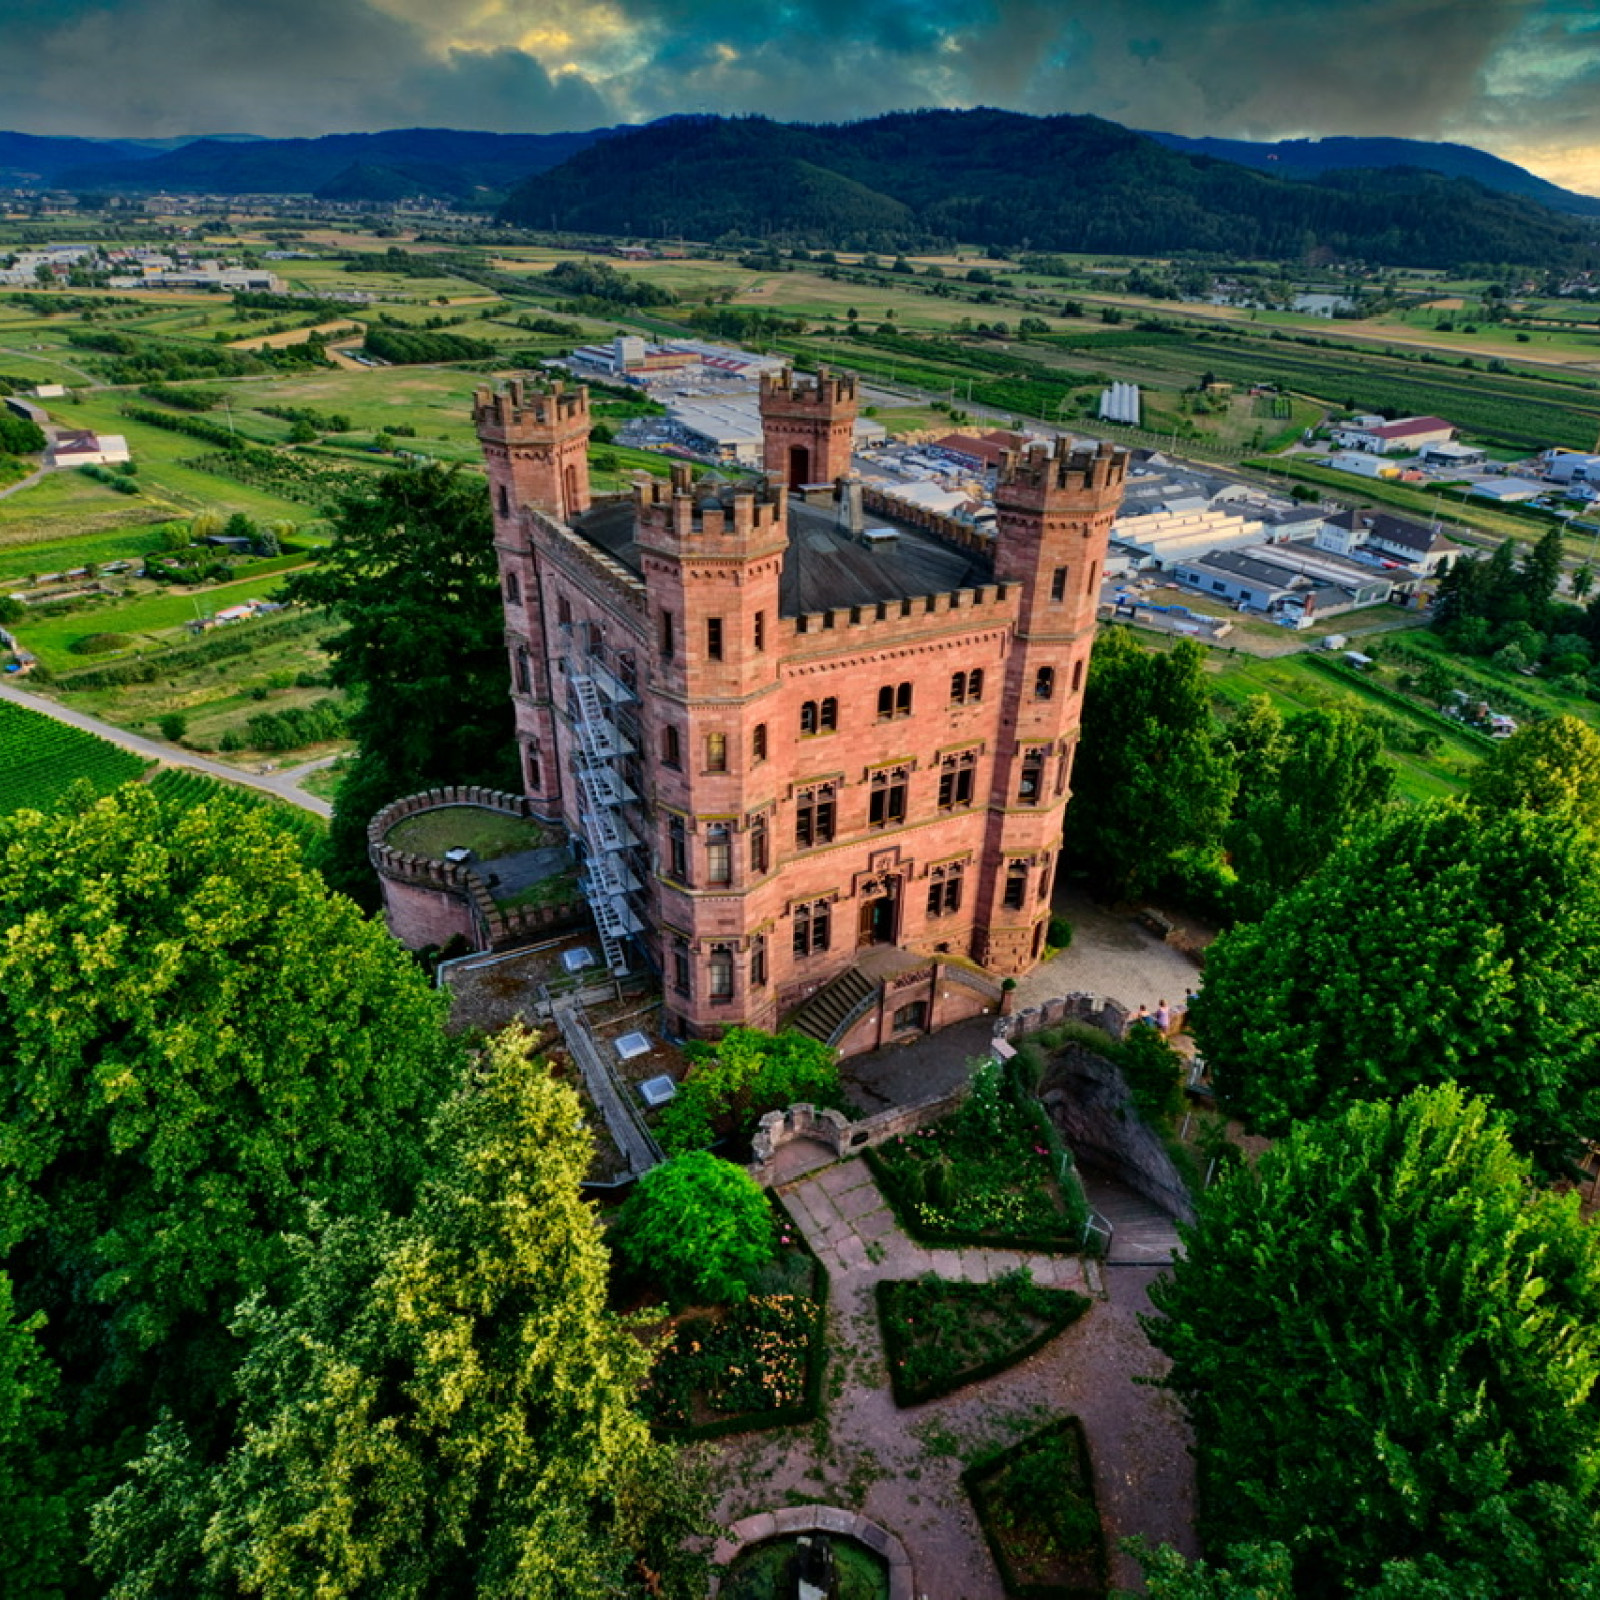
[1044, 683]
[958, 688]
[535, 775]
[828, 715]
[808, 717]
[975, 684]
[902, 700]
[1016, 894]
[671, 748]
[886, 702]
[758, 744]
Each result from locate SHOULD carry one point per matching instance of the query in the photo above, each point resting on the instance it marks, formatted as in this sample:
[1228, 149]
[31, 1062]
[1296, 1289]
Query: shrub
[173, 726]
[700, 1226]
[743, 1075]
[1059, 933]
[99, 644]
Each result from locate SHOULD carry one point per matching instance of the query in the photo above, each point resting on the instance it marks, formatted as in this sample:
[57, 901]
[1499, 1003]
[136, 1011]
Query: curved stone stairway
[1143, 1235]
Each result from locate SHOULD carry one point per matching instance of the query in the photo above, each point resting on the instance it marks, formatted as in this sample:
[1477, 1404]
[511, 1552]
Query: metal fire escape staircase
[607, 880]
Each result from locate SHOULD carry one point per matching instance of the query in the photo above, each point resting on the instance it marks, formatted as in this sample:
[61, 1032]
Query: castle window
[758, 630]
[1016, 894]
[966, 688]
[668, 637]
[716, 752]
[719, 854]
[524, 672]
[975, 685]
[721, 974]
[714, 638]
[513, 589]
[1063, 767]
[1077, 675]
[944, 889]
[813, 815]
[808, 717]
[677, 850]
[535, 776]
[1058, 584]
[1045, 876]
[811, 928]
[894, 701]
[671, 749]
[758, 744]
[759, 852]
[594, 637]
[758, 961]
[680, 966]
[1089, 582]
[958, 688]
[1038, 939]
[828, 714]
[1044, 683]
[505, 501]
[563, 610]
[887, 806]
[957, 776]
[1030, 786]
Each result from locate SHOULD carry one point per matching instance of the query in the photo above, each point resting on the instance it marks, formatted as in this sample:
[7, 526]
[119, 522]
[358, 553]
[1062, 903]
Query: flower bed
[1035, 1502]
[939, 1335]
[754, 1365]
[995, 1172]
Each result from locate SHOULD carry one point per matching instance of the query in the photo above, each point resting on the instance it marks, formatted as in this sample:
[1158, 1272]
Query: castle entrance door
[878, 916]
[799, 465]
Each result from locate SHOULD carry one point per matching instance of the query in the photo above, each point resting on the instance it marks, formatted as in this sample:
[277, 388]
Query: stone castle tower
[807, 429]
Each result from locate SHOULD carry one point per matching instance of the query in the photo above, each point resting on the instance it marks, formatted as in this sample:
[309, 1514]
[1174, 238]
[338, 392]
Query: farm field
[1294, 684]
[41, 759]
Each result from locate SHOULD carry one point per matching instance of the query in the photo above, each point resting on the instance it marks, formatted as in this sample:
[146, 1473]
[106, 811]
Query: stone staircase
[1143, 1235]
[833, 1007]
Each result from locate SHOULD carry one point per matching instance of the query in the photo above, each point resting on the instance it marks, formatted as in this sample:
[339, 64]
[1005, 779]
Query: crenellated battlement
[521, 406]
[678, 510]
[1043, 474]
[827, 392]
[902, 621]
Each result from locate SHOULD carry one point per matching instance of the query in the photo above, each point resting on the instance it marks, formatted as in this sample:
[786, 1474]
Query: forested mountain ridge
[1018, 182]
[432, 160]
[1308, 158]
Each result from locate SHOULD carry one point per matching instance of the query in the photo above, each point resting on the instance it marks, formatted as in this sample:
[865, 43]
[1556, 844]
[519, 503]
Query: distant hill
[1308, 158]
[442, 161]
[36, 158]
[1024, 183]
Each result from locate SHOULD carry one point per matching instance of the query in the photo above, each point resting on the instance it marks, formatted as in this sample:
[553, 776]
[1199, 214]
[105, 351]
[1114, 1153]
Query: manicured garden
[1036, 1505]
[994, 1172]
[939, 1335]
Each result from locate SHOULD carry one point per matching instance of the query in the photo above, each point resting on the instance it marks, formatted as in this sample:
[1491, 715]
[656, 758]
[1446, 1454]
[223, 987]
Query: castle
[785, 732]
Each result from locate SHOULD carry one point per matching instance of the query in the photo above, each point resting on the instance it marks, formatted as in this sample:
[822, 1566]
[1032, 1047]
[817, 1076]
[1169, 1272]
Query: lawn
[149, 619]
[488, 834]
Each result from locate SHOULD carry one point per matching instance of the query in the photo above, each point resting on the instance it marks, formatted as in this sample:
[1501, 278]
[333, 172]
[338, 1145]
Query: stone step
[823, 1014]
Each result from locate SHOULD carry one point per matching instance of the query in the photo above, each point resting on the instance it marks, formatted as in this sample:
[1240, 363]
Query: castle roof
[824, 566]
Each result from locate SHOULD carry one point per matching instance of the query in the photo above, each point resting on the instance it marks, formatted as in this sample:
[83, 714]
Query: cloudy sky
[1519, 77]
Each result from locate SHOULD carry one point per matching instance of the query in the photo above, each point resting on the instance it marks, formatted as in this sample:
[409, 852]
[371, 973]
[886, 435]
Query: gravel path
[902, 1468]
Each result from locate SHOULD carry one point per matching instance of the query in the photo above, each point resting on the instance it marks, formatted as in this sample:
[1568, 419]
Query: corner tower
[712, 561]
[807, 429]
[1054, 508]
[535, 442]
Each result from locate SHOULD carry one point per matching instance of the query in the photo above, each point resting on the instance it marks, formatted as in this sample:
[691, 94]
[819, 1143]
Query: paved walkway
[285, 783]
[902, 1468]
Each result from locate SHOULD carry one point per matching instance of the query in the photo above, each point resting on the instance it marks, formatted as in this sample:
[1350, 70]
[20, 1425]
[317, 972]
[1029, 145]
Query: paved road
[24, 483]
[285, 784]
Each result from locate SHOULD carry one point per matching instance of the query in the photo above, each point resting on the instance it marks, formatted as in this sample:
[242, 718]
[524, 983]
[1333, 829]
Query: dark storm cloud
[1513, 73]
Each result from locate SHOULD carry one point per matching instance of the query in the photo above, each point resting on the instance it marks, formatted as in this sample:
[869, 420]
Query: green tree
[1541, 573]
[36, 1539]
[1441, 942]
[1151, 785]
[1549, 767]
[1387, 1342]
[412, 576]
[1294, 811]
[743, 1075]
[1256, 1572]
[443, 1408]
[698, 1225]
[199, 1041]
